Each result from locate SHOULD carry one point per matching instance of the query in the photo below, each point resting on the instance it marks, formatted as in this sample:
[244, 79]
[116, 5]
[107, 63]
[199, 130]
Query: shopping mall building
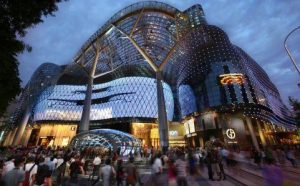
[212, 88]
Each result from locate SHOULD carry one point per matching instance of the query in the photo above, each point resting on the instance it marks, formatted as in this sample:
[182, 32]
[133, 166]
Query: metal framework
[43, 80]
[107, 139]
[137, 34]
[289, 52]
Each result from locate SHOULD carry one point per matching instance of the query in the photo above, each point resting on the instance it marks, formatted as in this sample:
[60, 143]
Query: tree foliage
[296, 108]
[15, 17]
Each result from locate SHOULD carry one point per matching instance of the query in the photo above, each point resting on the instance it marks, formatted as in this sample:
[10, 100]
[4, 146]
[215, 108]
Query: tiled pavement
[246, 176]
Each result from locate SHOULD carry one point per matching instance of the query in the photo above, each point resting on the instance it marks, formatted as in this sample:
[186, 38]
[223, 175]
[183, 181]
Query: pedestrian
[16, 176]
[223, 153]
[107, 173]
[215, 159]
[43, 175]
[172, 173]
[208, 161]
[192, 163]
[8, 165]
[30, 171]
[131, 172]
[120, 172]
[257, 158]
[76, 169]
[280, 155]
[96, 166]
[157, 165]
[291, 157]
[51, 164]
[181, 170]
[157, 169]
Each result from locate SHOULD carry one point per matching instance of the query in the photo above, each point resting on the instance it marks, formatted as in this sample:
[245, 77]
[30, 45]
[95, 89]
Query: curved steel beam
[289, 52]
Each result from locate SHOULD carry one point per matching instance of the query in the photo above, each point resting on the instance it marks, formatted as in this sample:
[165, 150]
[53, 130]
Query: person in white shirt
[157, 165]
[59, 161]
[181, 168]
[31, 165]
[8, 165]
[97, 160]
[96, 164]
[157, 169]
[106, 171]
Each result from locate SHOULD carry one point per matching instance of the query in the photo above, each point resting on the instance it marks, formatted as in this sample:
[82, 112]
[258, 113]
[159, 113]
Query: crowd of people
[38, 166]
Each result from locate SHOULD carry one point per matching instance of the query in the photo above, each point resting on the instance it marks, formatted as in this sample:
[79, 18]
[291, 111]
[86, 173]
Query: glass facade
[120, 98]
[108, 139]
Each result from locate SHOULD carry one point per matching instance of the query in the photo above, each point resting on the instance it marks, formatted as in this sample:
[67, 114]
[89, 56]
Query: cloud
[258, 27]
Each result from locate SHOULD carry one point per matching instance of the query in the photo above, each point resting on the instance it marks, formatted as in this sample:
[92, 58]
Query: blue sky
[258, 27]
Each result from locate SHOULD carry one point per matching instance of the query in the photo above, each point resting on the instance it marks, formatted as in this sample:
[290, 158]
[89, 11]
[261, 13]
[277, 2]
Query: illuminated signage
[233, 78]
[186, 127]
[173, 133]
[189, 126]
[230, 133]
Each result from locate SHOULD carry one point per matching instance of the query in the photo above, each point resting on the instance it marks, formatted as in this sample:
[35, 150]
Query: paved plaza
[246, 174]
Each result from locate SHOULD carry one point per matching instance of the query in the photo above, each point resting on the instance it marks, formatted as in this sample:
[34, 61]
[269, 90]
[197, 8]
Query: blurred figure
[96, 166]
[291, 157]
[132, 174]
[224, 153]
[280, 156]
[231, 162]
[51, 164]
[272, 174]
[215, 159]
[157, 165]
[31, 170]
[8, 165]
[268, 155]
[107, 173]
[208, 161]
[76, 169]
[181, 169]
[120, 172]
[43, 174]
[223, 156]
[16, 176]
[202, 157]
[172, 172]
[60, 160]
[192, 163]
[157, 170]
[257, 158]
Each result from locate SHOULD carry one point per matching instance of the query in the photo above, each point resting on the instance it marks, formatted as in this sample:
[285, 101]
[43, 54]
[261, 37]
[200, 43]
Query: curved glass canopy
[114, 140]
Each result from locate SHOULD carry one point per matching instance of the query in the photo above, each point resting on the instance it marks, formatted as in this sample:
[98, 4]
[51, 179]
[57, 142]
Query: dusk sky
[258, 27]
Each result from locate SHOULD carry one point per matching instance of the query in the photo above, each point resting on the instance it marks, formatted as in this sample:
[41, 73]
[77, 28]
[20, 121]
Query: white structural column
[261, 135]
[252, 133]
[8, 138]
[12, 136]
[22, 126]
[26, 136]
[162, 115]
[85, 118]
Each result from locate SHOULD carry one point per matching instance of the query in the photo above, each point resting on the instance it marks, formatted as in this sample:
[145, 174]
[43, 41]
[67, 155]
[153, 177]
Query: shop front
[52, 134]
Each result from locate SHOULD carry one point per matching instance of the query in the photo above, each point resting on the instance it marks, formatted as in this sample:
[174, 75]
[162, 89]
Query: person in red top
[172, 173]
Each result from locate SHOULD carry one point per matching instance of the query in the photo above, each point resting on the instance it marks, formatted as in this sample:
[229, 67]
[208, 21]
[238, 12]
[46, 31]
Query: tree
[296, 108]
[15, 17]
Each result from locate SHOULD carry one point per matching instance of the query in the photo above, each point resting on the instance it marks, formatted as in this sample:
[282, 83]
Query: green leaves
[15, 17]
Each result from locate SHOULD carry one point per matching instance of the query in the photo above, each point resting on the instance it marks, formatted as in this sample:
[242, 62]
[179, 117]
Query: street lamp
[288, 51]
